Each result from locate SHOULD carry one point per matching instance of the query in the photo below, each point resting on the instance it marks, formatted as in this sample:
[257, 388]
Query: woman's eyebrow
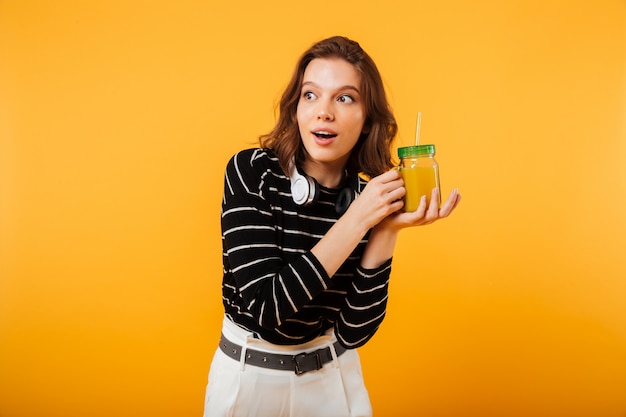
[344, 87]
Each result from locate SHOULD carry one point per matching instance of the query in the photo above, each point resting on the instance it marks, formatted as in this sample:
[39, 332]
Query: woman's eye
[308, 95]
[345, 99]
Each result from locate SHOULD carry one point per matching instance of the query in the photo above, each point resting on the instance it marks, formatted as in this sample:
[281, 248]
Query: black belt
[300, 363]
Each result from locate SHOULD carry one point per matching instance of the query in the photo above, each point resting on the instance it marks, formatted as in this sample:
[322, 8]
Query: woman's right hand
[381, 197]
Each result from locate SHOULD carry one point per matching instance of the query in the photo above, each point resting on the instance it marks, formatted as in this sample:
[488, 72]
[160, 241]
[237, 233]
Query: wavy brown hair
[372, 153]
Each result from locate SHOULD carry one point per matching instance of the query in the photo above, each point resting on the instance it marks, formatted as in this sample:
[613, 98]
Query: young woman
[307, 244]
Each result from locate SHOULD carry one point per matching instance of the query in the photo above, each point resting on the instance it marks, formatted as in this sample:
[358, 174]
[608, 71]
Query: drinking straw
[417, 129]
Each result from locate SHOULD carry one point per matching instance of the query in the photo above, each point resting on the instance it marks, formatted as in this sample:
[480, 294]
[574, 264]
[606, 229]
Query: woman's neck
[327, 175]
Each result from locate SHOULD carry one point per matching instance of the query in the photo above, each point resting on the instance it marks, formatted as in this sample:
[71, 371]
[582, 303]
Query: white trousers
[239, 390]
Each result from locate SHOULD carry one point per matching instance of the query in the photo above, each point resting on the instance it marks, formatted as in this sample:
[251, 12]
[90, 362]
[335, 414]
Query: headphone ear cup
[347, 195]
[304, 190]
[344, 199]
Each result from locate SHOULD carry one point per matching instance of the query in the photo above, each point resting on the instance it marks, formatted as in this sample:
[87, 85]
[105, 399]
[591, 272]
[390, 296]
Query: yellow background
[116, 121]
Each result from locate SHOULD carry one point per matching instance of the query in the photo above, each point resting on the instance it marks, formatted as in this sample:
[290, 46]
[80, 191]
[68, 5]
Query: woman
[306, 261]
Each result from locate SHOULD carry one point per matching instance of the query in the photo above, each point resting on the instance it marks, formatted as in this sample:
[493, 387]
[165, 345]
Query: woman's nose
[325, 113]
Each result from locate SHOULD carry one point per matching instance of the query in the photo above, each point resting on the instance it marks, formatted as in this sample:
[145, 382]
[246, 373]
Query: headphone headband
[305, 190]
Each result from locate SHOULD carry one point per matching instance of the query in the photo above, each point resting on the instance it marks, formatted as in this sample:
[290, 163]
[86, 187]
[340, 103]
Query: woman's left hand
[425, 214]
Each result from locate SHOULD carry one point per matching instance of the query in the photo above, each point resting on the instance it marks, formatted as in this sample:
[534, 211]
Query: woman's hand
[425, 214]
[381, 197]
[380, 206]
[381, 202]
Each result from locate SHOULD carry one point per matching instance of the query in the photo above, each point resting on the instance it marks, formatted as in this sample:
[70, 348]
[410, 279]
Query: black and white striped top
[273, 285]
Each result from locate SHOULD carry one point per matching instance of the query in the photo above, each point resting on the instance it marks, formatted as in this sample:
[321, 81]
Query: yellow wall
[117, 119]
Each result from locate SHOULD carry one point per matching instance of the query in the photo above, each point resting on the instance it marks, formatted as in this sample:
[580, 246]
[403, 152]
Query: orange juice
[418, 181]
[420, 173]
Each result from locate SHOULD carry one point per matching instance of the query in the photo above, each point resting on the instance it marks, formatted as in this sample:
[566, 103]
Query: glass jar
[420, 173]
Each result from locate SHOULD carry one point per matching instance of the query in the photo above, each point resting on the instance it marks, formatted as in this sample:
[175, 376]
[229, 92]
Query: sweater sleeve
[271, 289]
[365, 306]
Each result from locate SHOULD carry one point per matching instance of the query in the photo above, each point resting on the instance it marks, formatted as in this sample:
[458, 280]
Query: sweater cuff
[373, 273]
[369, 277]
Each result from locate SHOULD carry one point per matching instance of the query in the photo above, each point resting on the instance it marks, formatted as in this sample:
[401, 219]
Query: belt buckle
[303, 356]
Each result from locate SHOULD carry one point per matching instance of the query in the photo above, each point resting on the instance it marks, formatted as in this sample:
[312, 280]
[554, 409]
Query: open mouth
[325, 135]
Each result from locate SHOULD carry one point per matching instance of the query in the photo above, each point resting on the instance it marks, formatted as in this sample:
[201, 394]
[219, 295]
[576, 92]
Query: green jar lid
[418, 150]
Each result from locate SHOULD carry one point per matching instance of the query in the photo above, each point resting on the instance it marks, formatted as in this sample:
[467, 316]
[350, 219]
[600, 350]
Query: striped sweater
[273, 285]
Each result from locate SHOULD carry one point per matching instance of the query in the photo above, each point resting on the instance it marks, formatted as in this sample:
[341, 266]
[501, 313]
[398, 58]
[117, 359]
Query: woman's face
[330, 114]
